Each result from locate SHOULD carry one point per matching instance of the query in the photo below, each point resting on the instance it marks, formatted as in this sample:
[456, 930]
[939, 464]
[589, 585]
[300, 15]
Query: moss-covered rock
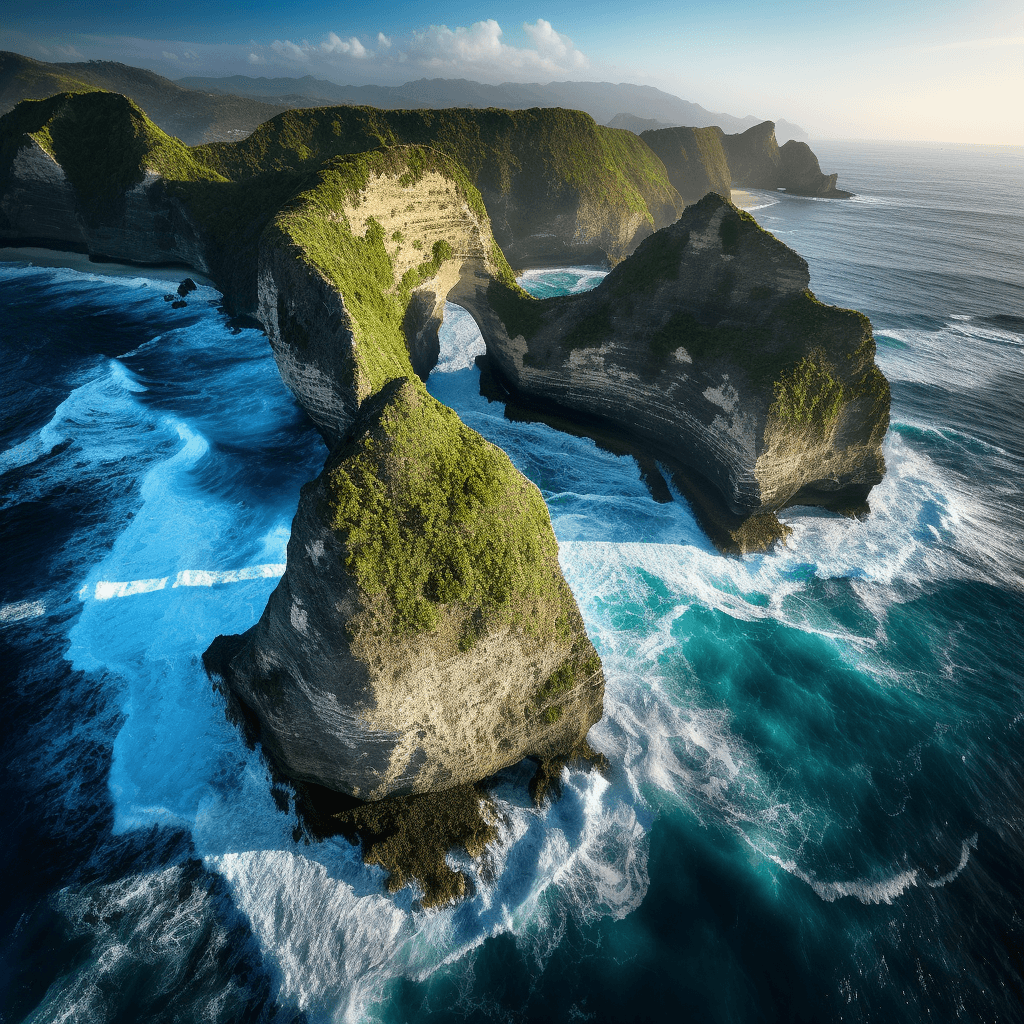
[86, 171]
[422, 636]
[355, 270]
[706, 350]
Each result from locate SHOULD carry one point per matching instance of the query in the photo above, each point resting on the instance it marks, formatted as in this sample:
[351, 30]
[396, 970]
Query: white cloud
[255, 58]
[554, 45]
[350, 46]
[170, 56]
[289, 50]
[383, 41]
[481, 47]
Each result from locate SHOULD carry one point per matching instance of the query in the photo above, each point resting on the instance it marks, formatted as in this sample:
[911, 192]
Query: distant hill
[637, 125]
[602, 100]
[192, 116]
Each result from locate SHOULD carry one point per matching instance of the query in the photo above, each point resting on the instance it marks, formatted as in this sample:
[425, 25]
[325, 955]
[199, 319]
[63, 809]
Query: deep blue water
[816, 807]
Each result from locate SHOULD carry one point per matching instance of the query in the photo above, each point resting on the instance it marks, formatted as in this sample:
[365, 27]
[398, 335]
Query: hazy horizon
[905, 71]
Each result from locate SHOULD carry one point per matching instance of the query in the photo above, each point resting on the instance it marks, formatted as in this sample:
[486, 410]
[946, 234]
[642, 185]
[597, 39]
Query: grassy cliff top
[103, 141]
[432, 515]
[694, 159]
[554, 150]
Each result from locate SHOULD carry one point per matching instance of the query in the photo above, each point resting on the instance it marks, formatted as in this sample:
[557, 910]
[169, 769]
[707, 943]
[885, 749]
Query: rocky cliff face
[422, 636]
[694, 159]
[39, 205]
[353, 278]
[755, 160]
[706, 348]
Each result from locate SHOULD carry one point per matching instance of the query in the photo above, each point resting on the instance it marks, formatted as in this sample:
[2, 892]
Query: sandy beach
[745, 200]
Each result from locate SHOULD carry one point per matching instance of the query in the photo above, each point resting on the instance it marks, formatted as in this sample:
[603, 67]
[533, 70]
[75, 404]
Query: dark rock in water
[186, 286]
[168, 298]
[423, 636]
[409, 836]
[178, 304]
[802, 174]
[706, 350]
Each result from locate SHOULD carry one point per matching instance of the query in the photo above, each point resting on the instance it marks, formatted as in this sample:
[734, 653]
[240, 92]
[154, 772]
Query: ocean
[815, 806]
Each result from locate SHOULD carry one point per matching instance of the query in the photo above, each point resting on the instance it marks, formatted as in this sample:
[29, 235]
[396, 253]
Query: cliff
[558, 188]
[708, 352]
[422, 636]
[694, 159]
[86, 172]
[354, 273]
[702, 160]
[756, 161]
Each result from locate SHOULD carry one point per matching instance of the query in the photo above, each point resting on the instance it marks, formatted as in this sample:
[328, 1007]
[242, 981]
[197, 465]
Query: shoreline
[63, 259]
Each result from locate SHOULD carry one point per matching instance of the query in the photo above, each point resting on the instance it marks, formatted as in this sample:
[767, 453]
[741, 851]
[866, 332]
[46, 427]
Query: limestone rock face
[422, 636]
[695, 161]
[558, 188]
[707, 350]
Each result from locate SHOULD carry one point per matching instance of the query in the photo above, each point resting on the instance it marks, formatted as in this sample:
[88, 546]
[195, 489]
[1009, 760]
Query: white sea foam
[112, 382]
[21, 610]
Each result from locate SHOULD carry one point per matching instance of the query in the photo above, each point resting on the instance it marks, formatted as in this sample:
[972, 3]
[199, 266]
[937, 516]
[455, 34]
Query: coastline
[63, 259]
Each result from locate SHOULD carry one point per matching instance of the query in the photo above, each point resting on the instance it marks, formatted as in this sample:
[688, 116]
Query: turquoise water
[815, 808]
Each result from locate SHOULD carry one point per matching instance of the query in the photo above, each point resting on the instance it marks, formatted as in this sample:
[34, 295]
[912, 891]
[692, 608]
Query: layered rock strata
[423, 636]
[558, 188]
[708, 351]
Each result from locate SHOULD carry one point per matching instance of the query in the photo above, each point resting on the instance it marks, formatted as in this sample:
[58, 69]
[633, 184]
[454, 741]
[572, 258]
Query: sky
[903, 69]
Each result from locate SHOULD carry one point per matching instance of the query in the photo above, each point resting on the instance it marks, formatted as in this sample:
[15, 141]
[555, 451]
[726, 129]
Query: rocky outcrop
[423, 636]
[352, 280]
[694, 159]
[707, 350]
[802, 174]
[39, 206]
[756, 161]
[702, 160]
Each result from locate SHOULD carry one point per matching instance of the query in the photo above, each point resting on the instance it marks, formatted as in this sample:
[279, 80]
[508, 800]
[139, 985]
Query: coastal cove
[815, 804]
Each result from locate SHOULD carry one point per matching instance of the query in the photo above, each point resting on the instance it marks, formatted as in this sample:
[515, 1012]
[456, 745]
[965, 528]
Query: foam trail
[104, 590]
[22, 610]
[85, 403]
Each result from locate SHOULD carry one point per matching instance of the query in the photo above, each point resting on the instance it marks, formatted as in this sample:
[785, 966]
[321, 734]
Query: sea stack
[423, 636]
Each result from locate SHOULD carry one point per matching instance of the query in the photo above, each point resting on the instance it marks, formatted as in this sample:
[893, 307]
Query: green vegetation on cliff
[360, 267]
[431, 515]
[104, 143]
[543, 153]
